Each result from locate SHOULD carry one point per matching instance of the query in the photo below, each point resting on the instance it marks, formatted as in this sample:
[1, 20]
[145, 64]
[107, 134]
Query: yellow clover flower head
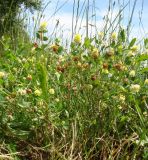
[51, 91]
[77, 38]
[120, 48]
[43, 25]
[95, 53]
[21, 91]
[113, 36]
[131, 53]
[79, 64]
[135, 88]
[61, 58]
[105, 71]
[101, 35]
[37, 92]
[122, 98]
[132, 73]
[55, 47]
[2, 74]
[134, 48]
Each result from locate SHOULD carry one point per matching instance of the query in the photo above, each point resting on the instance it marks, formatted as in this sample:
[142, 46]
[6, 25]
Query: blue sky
[64, 15]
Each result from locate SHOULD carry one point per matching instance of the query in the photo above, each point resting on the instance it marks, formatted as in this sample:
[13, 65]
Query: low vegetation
[89, 101]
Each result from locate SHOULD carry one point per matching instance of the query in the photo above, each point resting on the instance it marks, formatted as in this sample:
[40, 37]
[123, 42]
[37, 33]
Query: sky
[60, 12]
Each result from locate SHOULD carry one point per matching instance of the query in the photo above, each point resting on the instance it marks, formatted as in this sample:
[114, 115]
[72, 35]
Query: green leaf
[60, 49]
[132, 42]
[42, 74]
[87, 43]
[139, 112]
[146, 43]
[21, 134]
[38, 35]
[128, 61]
[142, 57]
[45, 38]
[122, 35]
[144, 70]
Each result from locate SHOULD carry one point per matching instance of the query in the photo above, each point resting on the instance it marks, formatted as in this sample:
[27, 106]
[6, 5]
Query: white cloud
[65, 20]
[65, 23]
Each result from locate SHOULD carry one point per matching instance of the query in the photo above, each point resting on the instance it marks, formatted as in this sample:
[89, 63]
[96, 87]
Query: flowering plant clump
[85, 101]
